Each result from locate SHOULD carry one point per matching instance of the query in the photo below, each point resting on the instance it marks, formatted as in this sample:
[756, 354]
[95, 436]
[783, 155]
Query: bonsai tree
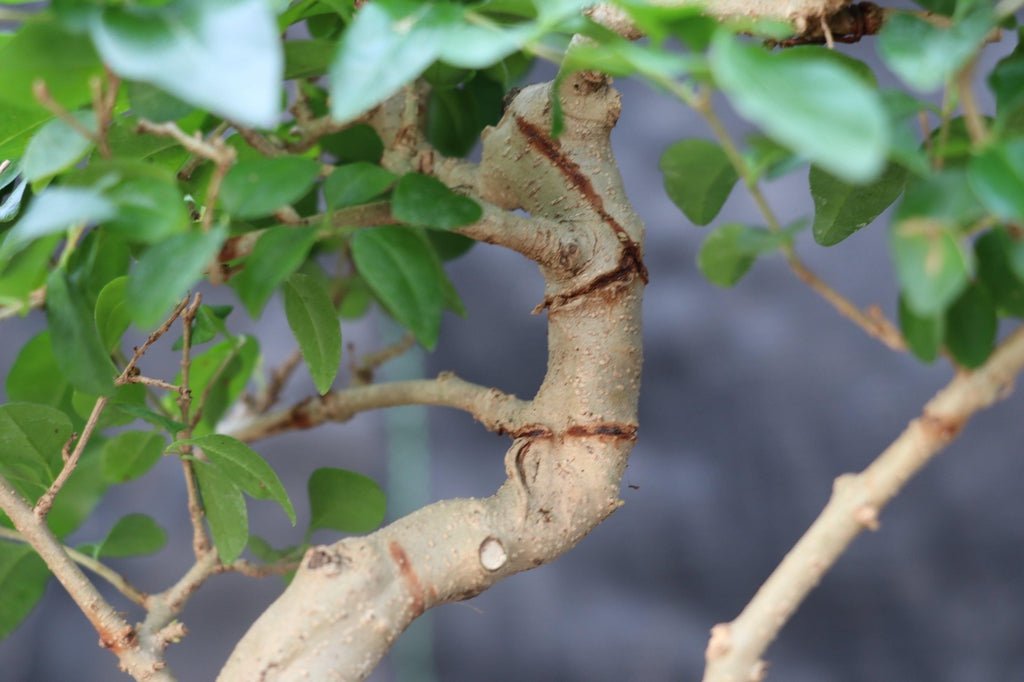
[155, 152]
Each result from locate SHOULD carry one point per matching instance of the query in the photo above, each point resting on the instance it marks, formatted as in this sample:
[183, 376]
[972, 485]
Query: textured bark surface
[349, 601]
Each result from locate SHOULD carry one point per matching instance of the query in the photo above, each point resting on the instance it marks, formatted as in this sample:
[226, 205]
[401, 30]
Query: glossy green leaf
[356, 183]
[996, 175]
[243, 466]
[35, 376]
[31, 439]
[55, 210]
[166, 271]
[923, 334]
[276, 255]
[427, 202]
[924, 54]
[57, 146]
[993, 251]
[842, 208]
[222, 56]
[931, 264]
[312, 319]
[838, 122]
[971, 326]
[405, 276]
[346, 501]
[225, 510]
[77, 345]
[112, 315]
[10, 204]
[132, 535]
[258, 187]
[729, 251]
[23, 578]
[131, 454]
[698, 178]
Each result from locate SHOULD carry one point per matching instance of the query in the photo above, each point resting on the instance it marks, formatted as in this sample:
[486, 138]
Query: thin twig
[200, 541]
[116, 580]
[270, 394]
[45, 501]
[251, 570]
[362, 372]
[164, 606]
[735, 649]
[156, 383]
[42, 94]
[258, 142]
[139, 351]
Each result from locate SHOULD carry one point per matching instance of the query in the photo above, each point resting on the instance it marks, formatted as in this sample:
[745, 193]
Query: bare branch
[200, 540]
[45, 501]
[362, 372]
[736, 648]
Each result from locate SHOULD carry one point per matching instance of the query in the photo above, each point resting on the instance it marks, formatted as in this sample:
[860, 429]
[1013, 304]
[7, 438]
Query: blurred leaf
[345, 501]
[80, 352]
[996, 174]
[153, 104]
[839, 123]
[57, 146]
[425, 201]
[23, 578]
[841, 208]
[208, 324]
[131, 454]
[132, 535]
[456, 116]
[399, 267]
[925, 55]
[931, 264]
[55, 210]
[767, 158]
[356, 183]
[222, 56]
[314, 323]
[166, 271]
[946, 197]
[258, 187]
[150, 208]
[27, 271]
[225, 510]
[31, 439]
[923, 334]
[729, 251]
[698, 178]
[112, 316]
[971, 327]
[243, 466]
[308, 58]
[276, 255]
[218, 377]
[357, 143]
[35, 376]
[993, 252]
[1007, 80]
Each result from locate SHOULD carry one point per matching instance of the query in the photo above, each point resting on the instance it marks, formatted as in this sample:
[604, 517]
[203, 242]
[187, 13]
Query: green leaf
[427, 202]
[1007, 80]
[23, 578]
[923, 334]
[225, 510]
[456, 117]
[208, 324]
[308, 58]
[57, 146]
[222, 56]
[926, 55]
[42, 50]
[35, 376]
[150, 208]
[244, 466]
[132, 535]
[80, 495]
[931, 264]
[993, 252]
[31, 439]
[55, 210]
[971, 327]
[842, 208]
[218, 377]
[112, 316]
[946, 197]
[312, 319]
[356, 183]
[404, 274]
[358, 143]
[838, 122]
[153, 104]
[27, 272]
[728, 252]
[996, 175]
[277, 254]
[80, 352]
[346, 501]
[698, 178]
[166, 271]
[131, 454]
[258, 187]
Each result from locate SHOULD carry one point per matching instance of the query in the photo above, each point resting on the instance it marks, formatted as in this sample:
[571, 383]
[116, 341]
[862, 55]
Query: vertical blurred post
[408, 489]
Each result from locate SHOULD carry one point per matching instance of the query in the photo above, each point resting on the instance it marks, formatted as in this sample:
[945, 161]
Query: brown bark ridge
[350, 600]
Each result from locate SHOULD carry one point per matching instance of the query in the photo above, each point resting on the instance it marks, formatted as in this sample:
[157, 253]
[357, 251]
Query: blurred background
[754, 399]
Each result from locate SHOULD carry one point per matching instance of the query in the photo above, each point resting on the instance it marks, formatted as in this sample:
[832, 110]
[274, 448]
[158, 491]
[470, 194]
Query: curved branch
[497, 411]
[735, 649]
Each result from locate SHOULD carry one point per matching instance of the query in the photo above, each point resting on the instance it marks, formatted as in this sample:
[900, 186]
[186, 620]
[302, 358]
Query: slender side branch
[735, 649]
[497, 411]
[45, 501]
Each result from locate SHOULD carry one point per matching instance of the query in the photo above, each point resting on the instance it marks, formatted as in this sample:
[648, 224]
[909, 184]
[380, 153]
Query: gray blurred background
[753, 400]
